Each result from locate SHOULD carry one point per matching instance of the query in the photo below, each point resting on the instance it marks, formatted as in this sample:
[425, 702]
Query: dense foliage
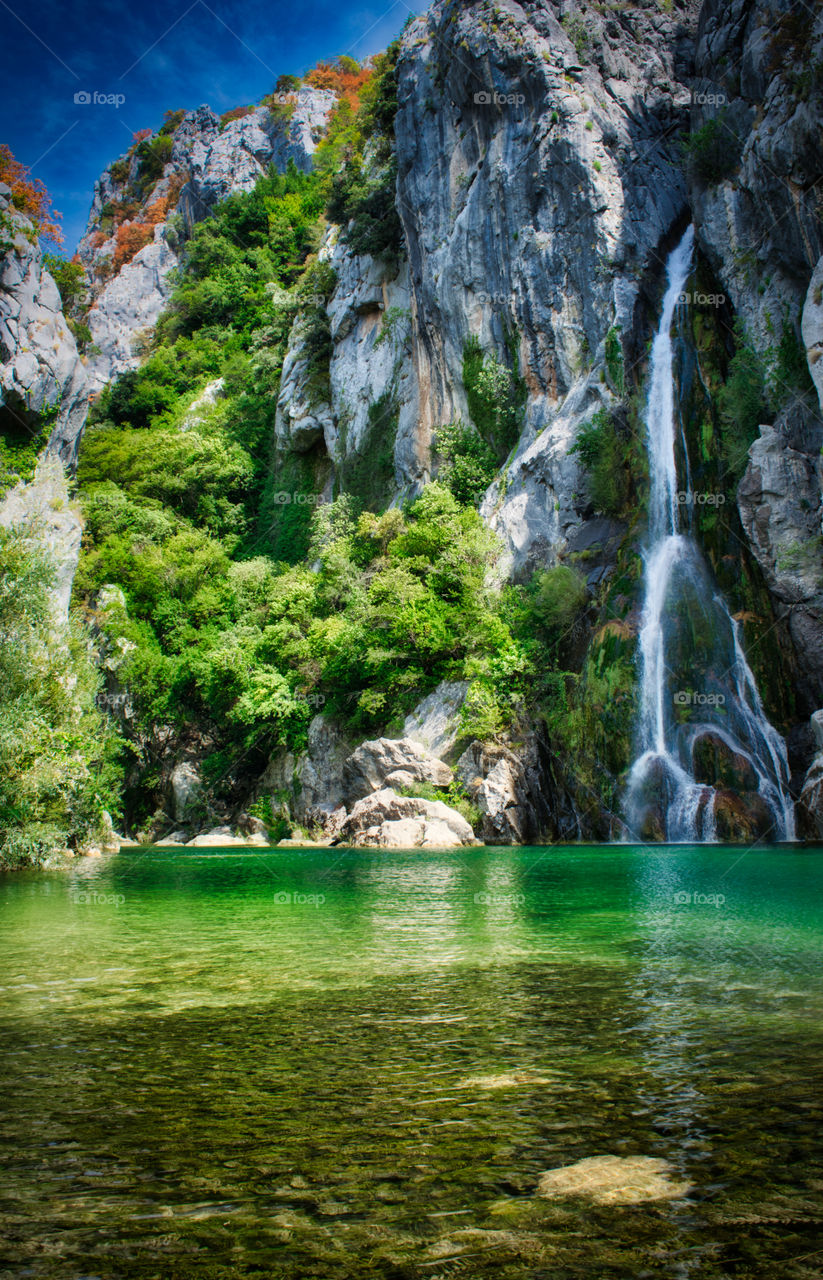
[58, 760]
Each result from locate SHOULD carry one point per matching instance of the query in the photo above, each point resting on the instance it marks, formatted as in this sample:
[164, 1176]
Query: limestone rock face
[43, 507]
[435, 721]
[779, 500]
[534, 195]
[128, 308]
[812, 328]
[41, 375]
[368, 768]
[509, 789]
[186, 789]
[214, 163]
[758, 224]
[386, 820]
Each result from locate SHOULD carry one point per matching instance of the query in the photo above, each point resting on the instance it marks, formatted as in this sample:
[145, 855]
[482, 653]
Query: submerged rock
[614, 1180]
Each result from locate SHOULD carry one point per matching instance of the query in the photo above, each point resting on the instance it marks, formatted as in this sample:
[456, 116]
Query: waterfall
[702, 736]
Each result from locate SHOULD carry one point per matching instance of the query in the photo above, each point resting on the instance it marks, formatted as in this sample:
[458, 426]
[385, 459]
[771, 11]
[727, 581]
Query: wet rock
[718, 765]
[742, 818]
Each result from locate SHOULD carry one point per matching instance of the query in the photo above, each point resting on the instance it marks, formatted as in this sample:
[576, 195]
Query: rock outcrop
[42, 379]
[386, 820]
[391, 762]
[207, 163]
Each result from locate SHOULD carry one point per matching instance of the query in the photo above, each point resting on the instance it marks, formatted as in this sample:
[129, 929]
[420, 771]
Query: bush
[559, 598]
[742, 404]
[58, 757]
[496, 398]
[601, 453]
[469, 465]
[713, 151]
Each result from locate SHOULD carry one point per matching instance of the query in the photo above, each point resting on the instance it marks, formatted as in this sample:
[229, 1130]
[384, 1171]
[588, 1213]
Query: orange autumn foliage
[30, 196]
[140, 136]
[131, 237]
[344, 76]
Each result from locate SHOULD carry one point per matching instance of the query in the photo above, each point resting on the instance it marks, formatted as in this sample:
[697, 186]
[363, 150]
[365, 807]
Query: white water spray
[696, 687]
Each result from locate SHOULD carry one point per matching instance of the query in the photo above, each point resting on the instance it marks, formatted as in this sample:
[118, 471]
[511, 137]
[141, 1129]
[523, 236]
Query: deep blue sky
[159, 54]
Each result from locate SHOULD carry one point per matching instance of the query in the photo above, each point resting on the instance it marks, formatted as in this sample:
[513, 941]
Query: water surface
[357, 1064]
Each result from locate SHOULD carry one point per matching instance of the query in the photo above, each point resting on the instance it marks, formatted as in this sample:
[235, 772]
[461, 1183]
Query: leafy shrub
[713, 151]
[58, 758]
[496, 398]
[469, 464]
[741, 403]
[558, 599]
[601, 453]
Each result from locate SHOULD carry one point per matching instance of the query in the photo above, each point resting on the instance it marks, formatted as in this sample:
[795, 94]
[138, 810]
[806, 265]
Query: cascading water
[704, 742]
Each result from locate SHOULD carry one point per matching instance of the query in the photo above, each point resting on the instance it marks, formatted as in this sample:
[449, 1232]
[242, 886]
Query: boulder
[368, 768]
[387, 820]
[223, 837]
[614, 1180]
[493, 776]
[742, 818]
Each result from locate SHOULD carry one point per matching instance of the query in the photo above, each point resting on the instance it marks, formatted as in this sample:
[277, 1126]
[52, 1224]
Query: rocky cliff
[157, 192]
[547, 156]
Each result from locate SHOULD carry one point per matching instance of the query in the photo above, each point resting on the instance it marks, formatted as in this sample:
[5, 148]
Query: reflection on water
[322, 1064]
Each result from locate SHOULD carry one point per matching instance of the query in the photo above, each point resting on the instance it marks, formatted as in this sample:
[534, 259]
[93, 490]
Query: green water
[366, 1080]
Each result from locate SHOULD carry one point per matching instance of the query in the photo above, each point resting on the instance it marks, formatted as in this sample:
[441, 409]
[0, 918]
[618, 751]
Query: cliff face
[756, 205]
[547, 158]
[539, 174]
[43, 388]
[204, 163]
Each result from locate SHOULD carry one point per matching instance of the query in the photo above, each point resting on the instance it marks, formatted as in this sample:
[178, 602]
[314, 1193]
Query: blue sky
[157, 56]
